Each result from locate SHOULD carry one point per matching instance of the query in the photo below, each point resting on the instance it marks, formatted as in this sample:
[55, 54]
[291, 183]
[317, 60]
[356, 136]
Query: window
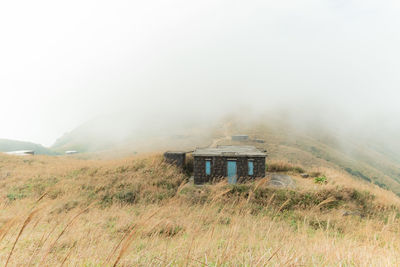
[208, 167]
[250, 165]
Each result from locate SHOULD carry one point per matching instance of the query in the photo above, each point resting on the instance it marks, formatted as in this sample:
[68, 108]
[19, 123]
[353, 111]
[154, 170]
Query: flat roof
[230, 151]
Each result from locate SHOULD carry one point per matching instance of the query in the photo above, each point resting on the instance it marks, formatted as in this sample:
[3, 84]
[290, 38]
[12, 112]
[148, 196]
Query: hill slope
[140, 212]
[317, 148]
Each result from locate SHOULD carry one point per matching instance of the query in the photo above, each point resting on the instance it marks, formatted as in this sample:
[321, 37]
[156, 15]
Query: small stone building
[237, 163]
[177, 158]
[240, 137]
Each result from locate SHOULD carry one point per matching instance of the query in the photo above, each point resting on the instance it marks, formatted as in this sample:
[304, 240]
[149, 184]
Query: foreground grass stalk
[68, 254]
[6, 228]
[26, 222]
[64, 230]
[118, 245]
[41, 243]
[130, 237]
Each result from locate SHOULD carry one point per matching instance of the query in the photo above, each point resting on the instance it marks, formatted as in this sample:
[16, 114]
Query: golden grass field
[138, 211]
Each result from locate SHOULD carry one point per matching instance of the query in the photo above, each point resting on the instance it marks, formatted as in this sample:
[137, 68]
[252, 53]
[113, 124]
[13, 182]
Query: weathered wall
[219, 168]
[176, 158]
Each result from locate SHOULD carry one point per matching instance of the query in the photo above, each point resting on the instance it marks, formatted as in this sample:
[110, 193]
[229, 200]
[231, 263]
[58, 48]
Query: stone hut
[237, 163]
[240, 137]
[177, 158]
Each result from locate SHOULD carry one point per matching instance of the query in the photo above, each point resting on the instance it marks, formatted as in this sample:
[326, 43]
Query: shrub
[298, 169]
[321, 180]
[129, 196]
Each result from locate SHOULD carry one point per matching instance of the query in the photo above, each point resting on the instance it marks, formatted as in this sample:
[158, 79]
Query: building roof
[175, 152]
[230, 151]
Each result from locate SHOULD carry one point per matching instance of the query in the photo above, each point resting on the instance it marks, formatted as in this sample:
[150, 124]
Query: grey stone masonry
[176, 158]
[219, 168]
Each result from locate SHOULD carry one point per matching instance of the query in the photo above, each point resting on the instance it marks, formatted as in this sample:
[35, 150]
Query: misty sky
[65, 62]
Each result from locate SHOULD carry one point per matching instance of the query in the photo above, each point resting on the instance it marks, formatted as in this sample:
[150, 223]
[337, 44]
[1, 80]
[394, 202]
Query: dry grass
[141, 212]
[282, 166]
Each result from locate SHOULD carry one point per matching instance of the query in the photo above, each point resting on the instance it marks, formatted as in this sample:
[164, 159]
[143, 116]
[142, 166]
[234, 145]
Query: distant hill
[7, 145]
[126, 133]
[99, 134]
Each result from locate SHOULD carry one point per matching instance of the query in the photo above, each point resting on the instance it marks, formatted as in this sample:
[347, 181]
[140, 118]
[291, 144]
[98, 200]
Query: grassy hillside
[311, 146]
[12, 145]
[316, 147]
[138, 211]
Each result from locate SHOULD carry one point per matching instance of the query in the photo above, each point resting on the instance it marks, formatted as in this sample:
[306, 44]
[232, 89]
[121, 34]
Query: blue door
[232, 172]
[250, 168]
[208, 167]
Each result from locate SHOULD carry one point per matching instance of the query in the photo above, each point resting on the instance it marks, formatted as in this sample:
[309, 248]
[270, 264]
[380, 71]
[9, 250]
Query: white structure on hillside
[21, 153]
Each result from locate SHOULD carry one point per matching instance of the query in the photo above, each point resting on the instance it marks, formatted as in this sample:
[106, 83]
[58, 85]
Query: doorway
[232, 171]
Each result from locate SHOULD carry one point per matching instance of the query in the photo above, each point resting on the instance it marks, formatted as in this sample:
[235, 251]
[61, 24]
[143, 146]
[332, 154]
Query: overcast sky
[65, 62]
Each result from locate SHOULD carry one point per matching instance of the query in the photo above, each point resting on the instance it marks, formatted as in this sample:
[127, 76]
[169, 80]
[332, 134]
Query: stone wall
[219, 168]
[176, 158]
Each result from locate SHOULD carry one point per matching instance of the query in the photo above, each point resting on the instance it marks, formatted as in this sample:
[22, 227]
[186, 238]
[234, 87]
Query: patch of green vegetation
[138, 165]
[321, 180]
[128, 197]
[14, 196]
[77, 172]
[111, 223]
[364, 199]
[241, 189]
[224, 220]
[122, 169]
[170, 231]
[195, 194]
[284, 200]
[381, 185]
[33, 187]
[67, 207]
[87, 263]
[55, 193]
[124, 195]
[358, 174]
[166, 184]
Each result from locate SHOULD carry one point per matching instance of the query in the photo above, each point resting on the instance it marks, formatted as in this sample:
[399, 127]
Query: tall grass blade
[26, 222]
